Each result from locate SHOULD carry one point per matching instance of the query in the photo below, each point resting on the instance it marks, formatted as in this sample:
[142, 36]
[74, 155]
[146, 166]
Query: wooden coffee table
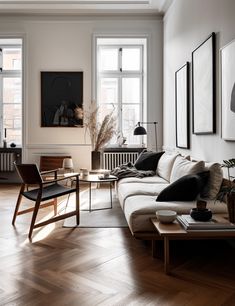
[174, 231]
[94, 178]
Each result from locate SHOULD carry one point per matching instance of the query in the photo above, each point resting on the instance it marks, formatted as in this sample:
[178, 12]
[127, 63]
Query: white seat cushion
[147, 180]
[128, 190]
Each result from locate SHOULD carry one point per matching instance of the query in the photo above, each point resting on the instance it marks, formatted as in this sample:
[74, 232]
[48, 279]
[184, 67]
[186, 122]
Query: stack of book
[216, 223]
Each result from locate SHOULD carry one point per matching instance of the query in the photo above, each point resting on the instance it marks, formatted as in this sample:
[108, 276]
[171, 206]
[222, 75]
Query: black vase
[95, 160]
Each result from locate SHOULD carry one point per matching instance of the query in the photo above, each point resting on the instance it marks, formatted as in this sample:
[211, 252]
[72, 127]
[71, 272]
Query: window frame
[120, 74]
[17, 73]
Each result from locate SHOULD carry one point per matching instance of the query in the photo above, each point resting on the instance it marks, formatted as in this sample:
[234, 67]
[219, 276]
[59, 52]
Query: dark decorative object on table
[95, 160]
[12, 145]
[201, 214]
[227, 192]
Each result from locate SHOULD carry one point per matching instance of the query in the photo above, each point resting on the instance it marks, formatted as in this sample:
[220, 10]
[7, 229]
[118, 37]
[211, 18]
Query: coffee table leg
[90, 198]
[111, 196]
[166, 255]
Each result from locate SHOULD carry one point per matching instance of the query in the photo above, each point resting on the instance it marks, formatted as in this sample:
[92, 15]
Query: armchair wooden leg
[77, 203]
[55, 206]
[35, 212]
[18, 204]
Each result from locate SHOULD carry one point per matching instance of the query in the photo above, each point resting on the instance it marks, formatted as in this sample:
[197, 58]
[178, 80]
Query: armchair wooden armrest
[61, 179]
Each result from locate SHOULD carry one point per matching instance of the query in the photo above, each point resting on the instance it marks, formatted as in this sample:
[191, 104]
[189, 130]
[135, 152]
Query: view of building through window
[11, 91]
[121, 82]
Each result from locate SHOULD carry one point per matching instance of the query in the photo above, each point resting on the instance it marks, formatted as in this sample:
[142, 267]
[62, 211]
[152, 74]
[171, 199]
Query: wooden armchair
[43, 191]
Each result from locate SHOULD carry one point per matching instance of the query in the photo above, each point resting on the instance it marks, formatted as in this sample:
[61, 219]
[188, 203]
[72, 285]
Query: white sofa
[137, 196]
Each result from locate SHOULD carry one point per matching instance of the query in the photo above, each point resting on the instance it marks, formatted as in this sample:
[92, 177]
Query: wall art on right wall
[203, 87]
[227, 61]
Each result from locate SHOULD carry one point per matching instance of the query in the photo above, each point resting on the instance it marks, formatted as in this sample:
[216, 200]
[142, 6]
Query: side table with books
[185, 229]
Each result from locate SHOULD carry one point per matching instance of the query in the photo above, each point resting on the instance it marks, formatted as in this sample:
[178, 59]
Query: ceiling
[79, 7]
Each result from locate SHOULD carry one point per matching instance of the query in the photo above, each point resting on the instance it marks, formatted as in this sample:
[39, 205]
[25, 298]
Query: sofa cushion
[125, 191]
[213, 185]
[165, 164]
[148, 160]
[184, 167]
[144, 180]
[184, 189]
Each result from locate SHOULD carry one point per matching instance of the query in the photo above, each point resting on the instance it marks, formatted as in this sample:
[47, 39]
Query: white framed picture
[227, 63]
[203, 87]
[182, 106]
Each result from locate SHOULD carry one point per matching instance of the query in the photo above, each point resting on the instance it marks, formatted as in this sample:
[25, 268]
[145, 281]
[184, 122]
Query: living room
[108, 266]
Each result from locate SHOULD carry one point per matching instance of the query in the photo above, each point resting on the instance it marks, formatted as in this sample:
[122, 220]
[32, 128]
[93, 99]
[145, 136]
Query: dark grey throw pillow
[187, 188]
[148, 160]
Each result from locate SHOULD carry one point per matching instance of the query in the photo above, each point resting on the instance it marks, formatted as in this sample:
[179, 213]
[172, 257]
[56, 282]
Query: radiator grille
[112, 160]
[7, 162]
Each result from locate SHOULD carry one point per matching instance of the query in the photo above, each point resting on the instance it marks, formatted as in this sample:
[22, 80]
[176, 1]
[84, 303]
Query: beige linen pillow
[183, 167]
[165, 165]
[215, 180]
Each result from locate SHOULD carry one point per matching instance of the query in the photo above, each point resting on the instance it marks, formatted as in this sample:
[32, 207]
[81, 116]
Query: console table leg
[154, 249]
[166, 256]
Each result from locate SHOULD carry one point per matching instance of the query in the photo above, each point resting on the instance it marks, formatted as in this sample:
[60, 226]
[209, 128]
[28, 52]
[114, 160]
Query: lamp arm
[155, 124]
[141, 122]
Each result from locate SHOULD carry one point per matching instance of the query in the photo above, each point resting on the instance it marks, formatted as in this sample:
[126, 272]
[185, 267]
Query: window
[120, 82]
[11, 91]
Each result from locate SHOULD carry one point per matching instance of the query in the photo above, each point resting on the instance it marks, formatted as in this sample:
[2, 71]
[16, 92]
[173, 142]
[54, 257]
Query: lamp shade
[68, 163]
[139, 130]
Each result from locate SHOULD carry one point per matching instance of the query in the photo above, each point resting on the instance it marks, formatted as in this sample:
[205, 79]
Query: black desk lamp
[140, 130]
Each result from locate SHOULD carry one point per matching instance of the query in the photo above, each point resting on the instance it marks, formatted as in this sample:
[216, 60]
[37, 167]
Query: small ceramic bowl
[166, 216]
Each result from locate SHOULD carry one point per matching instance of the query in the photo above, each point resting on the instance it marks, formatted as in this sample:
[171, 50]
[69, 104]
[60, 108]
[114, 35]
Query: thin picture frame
[182, 107]
[204, 87]
[227, 82]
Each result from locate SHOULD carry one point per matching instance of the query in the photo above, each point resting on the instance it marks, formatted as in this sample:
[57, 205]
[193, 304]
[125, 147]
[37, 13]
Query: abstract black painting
[61, 99]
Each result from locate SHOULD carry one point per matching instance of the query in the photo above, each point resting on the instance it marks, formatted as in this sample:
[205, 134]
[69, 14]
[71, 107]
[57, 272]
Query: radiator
[112, 160]
[7, 162]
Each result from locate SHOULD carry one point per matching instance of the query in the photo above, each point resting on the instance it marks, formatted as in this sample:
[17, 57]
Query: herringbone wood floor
[105, 267]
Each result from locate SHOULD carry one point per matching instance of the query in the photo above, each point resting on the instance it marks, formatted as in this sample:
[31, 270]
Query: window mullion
[1, 108]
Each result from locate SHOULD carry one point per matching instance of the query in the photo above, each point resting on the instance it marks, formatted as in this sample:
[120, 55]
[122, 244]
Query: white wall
[187, 24]
[63, 43]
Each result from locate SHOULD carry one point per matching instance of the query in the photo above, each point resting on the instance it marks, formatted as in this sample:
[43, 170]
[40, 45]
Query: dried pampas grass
[100, 132]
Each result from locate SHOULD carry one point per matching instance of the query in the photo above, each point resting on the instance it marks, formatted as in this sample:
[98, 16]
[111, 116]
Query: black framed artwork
[227, 68]
[61, 98]
[182, 106]
[203, 87]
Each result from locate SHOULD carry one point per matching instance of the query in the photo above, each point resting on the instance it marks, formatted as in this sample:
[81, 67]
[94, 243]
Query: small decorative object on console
[166, 216]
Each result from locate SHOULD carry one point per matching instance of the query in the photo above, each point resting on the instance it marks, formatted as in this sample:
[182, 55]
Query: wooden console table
[174, 231]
